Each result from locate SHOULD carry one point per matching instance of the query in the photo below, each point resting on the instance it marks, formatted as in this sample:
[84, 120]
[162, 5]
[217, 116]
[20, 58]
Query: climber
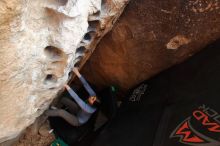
[81, 113]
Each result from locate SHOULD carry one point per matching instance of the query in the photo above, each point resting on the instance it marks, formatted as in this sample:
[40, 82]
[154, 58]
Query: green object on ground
[58, 142]
[113, 88]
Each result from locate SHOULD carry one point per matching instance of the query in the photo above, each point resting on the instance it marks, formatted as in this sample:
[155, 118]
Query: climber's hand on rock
[67, 87]
[76, 71]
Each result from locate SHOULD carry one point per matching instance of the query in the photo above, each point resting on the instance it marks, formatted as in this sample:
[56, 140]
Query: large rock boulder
[41, 41]
[151, 36]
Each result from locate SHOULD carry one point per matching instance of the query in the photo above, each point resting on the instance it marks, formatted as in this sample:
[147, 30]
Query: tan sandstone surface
[41, 41]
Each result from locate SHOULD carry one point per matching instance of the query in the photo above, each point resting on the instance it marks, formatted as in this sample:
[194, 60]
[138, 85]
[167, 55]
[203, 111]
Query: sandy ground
[41, 138]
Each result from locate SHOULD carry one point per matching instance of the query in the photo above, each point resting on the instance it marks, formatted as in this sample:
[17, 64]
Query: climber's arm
[84, 82]
[79, 101]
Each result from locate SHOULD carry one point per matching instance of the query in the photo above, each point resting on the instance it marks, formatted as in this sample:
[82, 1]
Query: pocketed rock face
[151, 36]
[41, 41]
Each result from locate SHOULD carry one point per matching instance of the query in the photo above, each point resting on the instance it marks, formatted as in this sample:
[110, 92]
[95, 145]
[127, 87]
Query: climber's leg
[71, 119]
[72, 106]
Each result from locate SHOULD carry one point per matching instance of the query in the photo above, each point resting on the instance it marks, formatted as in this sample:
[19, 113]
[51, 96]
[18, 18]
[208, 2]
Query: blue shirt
[87, 110]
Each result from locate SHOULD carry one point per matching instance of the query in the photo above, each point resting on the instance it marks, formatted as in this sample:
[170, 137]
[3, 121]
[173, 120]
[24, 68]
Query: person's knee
[71, 119]
[61, 112]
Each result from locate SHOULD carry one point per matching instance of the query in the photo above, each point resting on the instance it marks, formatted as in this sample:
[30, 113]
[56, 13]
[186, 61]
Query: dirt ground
[40, 138]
